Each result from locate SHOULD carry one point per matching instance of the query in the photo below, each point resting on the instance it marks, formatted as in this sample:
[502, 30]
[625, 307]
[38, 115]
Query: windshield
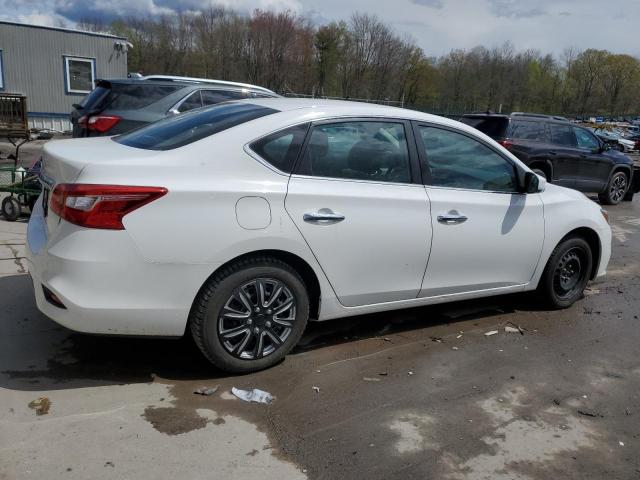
[174, 132]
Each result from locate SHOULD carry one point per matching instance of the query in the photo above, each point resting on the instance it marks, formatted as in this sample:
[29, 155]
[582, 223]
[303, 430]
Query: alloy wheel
[257, 318]
[618, 187]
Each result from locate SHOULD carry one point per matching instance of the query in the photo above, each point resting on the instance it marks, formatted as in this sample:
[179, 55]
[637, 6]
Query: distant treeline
[364, 58]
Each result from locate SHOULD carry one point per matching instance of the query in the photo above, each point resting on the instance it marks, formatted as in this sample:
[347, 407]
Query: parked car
[615, 140]
[118, 106]
[242, 221]
[563, 153]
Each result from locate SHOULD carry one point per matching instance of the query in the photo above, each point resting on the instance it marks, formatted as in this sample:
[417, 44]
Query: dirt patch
[174, 420]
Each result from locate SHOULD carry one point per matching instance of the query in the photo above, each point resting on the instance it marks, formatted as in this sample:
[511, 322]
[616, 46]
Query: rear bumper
[105, 285]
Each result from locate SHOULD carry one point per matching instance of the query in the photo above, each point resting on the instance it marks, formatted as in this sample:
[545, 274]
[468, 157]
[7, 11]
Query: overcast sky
[437, 25]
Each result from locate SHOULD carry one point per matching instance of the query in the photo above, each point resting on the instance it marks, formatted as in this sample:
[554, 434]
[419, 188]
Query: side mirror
[532, 183]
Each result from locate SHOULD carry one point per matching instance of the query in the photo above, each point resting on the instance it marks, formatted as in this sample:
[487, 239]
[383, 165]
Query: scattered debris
[589, 413]
[627, 412]
[109, 464]
[492, 332]
[316, 389]
[386, 339]
[317, 371]
[370, 379]
[255, 395]
[454, 348]
[384, 374]
[459, 336]
[41, 405]
[410, 372]
[584, 396]
[513, 328]
[621, 444]
[206, 390]
[556, 401]
[436, 339]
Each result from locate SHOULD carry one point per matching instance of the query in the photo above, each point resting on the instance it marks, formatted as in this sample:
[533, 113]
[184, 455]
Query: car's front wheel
[566, 273]
[248, 316]
[616, 189]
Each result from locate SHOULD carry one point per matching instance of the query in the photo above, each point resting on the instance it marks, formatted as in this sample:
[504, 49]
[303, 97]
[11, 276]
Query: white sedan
[242, 221]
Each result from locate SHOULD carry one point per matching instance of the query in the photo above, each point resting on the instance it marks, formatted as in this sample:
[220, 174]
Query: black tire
[31, 201]
[11, 209]
[564, 279]
[223, 289]
[542, 173]
[616, 190]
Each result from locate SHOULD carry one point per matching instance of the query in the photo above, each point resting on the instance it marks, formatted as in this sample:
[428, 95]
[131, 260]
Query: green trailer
[22, 186]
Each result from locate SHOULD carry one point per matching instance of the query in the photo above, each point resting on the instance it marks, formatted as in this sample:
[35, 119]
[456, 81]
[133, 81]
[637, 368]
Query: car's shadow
[37, 354]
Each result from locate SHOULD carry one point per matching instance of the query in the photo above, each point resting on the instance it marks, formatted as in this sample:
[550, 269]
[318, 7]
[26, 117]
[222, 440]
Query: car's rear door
[357, 199]
[486, 235]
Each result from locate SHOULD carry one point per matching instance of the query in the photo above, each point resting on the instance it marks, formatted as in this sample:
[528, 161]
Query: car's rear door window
[562, 135]
[180, 130]
[281, 149]
[211, 97]
[527, 130]
[191, 102]
[358, 150]
[455, 160]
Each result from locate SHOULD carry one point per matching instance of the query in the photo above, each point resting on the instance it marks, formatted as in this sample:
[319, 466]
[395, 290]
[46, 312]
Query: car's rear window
[174, 132]
[494, 127]
[126, 96]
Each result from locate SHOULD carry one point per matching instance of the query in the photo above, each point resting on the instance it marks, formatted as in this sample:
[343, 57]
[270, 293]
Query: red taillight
[99, 123]
[506, 144]
[100, 206]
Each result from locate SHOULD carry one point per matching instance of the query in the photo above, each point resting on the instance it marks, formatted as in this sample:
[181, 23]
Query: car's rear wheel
[616, 189]
[248, 316]
[11, 209]
[567, 273]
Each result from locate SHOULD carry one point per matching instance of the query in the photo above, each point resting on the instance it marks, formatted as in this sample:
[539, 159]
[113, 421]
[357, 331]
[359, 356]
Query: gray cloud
[429, 3]
[515, 9]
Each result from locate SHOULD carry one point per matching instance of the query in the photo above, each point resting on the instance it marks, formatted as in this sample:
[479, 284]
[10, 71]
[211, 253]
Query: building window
[1, 72]
[80, 74]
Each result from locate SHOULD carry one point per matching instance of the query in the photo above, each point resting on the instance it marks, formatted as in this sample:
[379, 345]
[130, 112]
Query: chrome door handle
[323, 215]
[452, 218]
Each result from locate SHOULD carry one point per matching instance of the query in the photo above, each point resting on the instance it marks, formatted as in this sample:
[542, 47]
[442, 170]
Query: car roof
[184, 82]
[331, 108]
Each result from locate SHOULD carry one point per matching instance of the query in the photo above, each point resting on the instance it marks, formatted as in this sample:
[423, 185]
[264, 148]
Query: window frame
[1, 71]
[424, 161]
[255, 155]
[67, 78]
[414, 163]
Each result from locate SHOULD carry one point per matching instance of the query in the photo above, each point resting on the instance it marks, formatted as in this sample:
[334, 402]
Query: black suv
[118, 106]
[564, 153]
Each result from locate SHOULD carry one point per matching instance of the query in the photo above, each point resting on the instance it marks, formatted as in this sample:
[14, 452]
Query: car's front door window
[455, 160]
[358, 150]
[586, 140]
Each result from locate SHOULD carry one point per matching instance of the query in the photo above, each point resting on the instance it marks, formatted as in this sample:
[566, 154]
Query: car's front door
[486, 235]
[563, 154]
[595, 167]
[357, 200]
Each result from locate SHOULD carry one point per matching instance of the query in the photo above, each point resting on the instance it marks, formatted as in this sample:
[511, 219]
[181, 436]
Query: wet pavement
[419, 393]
